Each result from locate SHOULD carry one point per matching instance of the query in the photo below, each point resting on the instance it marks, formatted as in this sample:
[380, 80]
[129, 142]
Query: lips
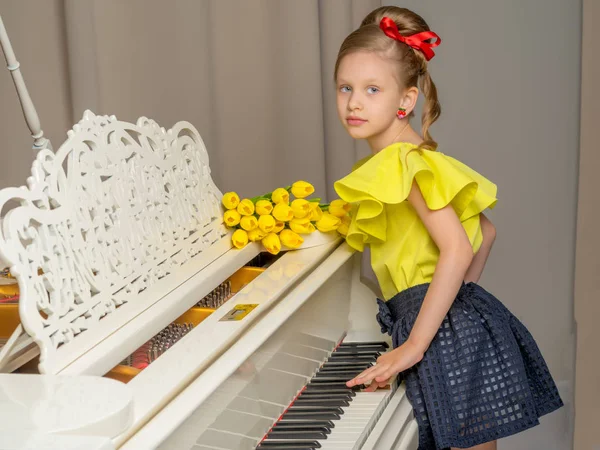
[355, 121]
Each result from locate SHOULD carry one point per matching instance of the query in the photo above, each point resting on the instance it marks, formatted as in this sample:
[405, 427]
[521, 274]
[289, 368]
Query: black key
[315, 409]
[285, 441]
[346, 395]
[333, 370]
[343, 362]
[327, 389]
[319, 401]
[347, 357]
[301, 426]
[326, 415]
[336, 373]
[324, 382]
[340, 387]
[289, 445]
[337, 379]
[373, 349]
[295, 435]
[354, 352]
[358, 350]
[342, 375]
[304, 421]
[286, 447]
[345, 366]
[360, 344]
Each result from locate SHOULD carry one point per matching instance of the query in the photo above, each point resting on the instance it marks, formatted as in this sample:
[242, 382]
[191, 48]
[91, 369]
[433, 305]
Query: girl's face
[368, 95]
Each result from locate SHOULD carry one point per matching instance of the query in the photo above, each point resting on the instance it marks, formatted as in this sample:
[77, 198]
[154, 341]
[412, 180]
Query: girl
[473, 372]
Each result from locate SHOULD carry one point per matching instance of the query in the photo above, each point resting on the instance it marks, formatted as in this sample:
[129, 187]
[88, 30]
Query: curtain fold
[255, 78]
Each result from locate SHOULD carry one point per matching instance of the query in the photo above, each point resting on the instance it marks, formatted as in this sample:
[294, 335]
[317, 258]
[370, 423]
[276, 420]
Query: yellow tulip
[264, 207]
[266, 223]
[302, 189]
[231, 200]
[302, 226]
[344, 226]
[256, 235]
[301, 220]
[239, 238]
[246, 207]
[301, 208]
[315, 212]
[339, 208]
[248, 223]
[278, 226]
[231, 217]
[291, 239]
[280, 195]
[283, 212]
[272, 243]
[328, 222]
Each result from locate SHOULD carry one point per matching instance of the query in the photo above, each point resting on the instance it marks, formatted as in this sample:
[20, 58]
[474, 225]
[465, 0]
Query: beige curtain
[254, 76]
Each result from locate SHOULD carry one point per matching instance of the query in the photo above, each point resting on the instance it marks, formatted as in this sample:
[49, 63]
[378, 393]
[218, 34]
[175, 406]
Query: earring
[401, 113]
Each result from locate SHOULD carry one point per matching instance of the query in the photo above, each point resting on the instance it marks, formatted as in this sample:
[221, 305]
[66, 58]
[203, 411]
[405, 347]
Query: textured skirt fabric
[482, 377]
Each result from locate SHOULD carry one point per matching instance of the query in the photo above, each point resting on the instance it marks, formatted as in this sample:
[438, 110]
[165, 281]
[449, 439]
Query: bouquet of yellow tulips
[282, 217]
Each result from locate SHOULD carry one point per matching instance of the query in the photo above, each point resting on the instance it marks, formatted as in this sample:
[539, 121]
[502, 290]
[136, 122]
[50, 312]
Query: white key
[358, 418]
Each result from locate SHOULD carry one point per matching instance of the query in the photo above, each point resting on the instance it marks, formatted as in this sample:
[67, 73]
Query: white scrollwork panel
[118, 207]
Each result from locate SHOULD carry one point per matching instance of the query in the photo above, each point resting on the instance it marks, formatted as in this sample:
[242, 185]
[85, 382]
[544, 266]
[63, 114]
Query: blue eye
[345, 89]
[372, 90]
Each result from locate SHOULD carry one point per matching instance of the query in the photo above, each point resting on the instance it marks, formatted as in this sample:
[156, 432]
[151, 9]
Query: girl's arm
[456, 256]
[489, 236]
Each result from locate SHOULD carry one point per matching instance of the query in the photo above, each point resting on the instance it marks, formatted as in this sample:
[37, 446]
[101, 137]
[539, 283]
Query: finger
[372, 387]
[370, 375]
[385, 376]
[354, 381]
[376, 385]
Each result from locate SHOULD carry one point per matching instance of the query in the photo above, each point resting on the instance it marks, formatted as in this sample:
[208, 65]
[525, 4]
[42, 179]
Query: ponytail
[431, 110]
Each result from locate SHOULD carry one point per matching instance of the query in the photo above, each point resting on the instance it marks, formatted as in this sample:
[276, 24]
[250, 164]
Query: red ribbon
[416, 41]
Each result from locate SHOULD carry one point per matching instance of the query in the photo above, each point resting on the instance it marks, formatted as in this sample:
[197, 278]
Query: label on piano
[238, 312]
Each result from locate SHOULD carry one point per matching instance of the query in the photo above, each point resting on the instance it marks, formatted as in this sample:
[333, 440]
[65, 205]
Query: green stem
[260, 197]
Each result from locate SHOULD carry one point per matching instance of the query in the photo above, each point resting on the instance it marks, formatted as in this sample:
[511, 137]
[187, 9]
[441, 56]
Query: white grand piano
[139, 327]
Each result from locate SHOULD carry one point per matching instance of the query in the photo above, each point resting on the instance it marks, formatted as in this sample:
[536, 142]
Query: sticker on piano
[238, 312]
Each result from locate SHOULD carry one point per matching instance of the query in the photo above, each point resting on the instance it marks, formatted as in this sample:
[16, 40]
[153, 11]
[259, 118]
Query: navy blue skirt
[483, 376]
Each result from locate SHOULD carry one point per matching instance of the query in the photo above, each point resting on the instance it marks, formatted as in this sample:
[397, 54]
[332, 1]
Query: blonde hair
[411, 63]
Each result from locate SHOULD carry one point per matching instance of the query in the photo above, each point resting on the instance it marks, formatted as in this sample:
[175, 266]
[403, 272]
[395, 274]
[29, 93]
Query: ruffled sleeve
[387, 178]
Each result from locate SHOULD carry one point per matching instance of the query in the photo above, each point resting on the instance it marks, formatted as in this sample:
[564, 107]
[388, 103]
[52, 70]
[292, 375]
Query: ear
[409, 99]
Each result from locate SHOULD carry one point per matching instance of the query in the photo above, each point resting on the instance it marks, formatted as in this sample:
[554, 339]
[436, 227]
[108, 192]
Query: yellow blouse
[402, 252]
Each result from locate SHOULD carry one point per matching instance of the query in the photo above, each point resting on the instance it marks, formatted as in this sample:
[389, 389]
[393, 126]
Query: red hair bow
[416, 41]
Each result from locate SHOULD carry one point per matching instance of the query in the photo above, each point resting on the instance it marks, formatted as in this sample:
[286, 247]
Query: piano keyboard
[325, 414]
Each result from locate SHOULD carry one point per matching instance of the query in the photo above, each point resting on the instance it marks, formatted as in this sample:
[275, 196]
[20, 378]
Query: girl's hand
[377, 384]
[389, 364]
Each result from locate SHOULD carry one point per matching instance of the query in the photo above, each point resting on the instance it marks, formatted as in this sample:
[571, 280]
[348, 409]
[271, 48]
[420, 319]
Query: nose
[354, 102]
